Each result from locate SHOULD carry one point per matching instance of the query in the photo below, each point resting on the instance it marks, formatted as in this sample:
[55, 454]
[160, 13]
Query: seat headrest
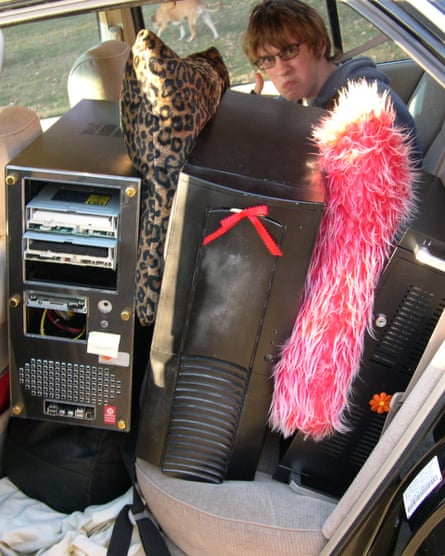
[18, 127]
[98, 72]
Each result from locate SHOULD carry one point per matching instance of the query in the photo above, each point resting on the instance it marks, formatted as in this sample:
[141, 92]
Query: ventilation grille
[104, 130]
[400, 349]
[359, 447]
[367, 441]
[409, 331]
[205, 413]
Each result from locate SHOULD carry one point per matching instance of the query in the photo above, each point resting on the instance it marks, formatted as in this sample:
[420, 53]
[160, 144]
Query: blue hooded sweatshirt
[364, 68]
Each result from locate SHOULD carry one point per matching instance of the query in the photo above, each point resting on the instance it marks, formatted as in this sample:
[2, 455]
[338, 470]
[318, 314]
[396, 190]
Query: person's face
[300, 77]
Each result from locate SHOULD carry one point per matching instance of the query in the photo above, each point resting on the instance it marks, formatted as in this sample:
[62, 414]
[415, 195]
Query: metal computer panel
[73, 208]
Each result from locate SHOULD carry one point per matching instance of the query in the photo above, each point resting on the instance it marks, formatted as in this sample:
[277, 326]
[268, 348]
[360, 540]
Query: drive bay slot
[57, 303]
[95, 252]
[67, 209]
[68, 223]
[50, 315]
[78, 200]
[48, 272]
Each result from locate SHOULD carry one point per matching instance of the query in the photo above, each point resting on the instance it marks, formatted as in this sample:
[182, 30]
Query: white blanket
[30, 527]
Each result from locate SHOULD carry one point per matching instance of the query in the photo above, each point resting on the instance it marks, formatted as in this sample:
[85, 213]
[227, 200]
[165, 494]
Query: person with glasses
[287, 41]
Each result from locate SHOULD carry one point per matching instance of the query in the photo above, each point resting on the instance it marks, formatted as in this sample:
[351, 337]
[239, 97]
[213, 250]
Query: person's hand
[259, 84]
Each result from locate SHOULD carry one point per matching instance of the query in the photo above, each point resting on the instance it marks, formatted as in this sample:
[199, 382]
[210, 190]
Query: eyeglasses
[268, 62]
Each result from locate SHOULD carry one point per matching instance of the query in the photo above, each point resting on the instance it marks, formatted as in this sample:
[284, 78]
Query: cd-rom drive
[73, 225]
[66, 209]
[70, 249]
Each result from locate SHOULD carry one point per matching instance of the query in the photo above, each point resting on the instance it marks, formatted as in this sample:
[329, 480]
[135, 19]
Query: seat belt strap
[132, 515]
[121, 536]
[372, 43]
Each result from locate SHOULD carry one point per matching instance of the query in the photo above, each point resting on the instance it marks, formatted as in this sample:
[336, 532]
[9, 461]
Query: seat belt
[132, 515]
[371, 43]
[135, 514]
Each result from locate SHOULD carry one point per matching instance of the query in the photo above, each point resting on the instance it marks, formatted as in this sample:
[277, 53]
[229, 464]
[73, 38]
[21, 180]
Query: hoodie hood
[352, 69]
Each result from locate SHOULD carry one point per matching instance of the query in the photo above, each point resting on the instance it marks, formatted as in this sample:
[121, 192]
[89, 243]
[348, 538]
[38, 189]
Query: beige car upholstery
[2, 49]
[98, 72]
[18, 127]
[425, 99]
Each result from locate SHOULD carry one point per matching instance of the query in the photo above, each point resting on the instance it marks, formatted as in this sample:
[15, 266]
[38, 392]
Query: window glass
[356, 30]
[230, 20]
[38, 57]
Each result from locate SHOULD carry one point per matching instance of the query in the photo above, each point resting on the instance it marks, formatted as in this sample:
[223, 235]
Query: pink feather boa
[369, 192]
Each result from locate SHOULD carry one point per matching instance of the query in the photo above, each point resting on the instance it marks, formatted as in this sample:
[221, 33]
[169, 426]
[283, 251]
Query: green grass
[39, 55]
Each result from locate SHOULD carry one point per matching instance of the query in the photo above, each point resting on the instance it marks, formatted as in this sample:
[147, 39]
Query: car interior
[262, 515]
[98, 73]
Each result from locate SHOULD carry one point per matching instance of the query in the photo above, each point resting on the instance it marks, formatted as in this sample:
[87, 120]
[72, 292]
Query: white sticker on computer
[421, 486]
[103, 343]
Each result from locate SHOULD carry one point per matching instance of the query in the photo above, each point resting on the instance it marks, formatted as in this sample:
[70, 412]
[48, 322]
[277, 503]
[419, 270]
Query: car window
[230, 19]
[38, 57]
[356, 31]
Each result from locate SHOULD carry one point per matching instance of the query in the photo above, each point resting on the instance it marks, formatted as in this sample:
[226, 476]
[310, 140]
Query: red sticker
[110, 414]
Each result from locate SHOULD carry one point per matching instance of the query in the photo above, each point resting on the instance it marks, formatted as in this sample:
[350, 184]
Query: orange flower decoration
[380, 402]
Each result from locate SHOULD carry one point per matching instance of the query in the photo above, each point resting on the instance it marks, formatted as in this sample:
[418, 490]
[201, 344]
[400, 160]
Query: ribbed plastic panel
[335, 445]
[409, 331]
[205, 412]
[406, 321]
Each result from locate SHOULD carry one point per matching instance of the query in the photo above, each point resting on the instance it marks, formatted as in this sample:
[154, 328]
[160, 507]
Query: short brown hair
[273, 21]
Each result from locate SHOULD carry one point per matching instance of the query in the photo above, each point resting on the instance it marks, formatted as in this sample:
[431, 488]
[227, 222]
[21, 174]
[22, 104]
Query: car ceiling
[21, 11]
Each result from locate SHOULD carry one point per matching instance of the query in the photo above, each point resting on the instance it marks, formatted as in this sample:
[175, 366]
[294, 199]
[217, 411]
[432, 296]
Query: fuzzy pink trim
[369, 192]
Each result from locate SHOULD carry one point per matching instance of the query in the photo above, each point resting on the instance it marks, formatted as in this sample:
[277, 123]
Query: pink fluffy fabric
[369, 193]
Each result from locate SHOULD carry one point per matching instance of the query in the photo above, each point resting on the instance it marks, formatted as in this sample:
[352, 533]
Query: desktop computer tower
[73, 217]
[226, 306]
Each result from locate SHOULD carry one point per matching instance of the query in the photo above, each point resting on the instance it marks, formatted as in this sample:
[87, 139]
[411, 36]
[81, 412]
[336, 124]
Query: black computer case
[226, 307]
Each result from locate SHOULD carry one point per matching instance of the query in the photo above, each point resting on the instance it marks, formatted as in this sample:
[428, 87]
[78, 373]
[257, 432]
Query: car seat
[427, 106]
[18, 127]
[98, 72]
[267, 517]
[435, 157]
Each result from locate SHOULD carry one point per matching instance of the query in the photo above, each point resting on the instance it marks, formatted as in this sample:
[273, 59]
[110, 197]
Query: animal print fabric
[165, 103]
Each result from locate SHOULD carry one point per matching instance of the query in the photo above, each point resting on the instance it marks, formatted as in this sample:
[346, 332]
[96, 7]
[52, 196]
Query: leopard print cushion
[165, 103]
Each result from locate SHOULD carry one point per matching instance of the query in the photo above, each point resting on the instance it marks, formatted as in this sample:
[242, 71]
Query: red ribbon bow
[252, 213]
